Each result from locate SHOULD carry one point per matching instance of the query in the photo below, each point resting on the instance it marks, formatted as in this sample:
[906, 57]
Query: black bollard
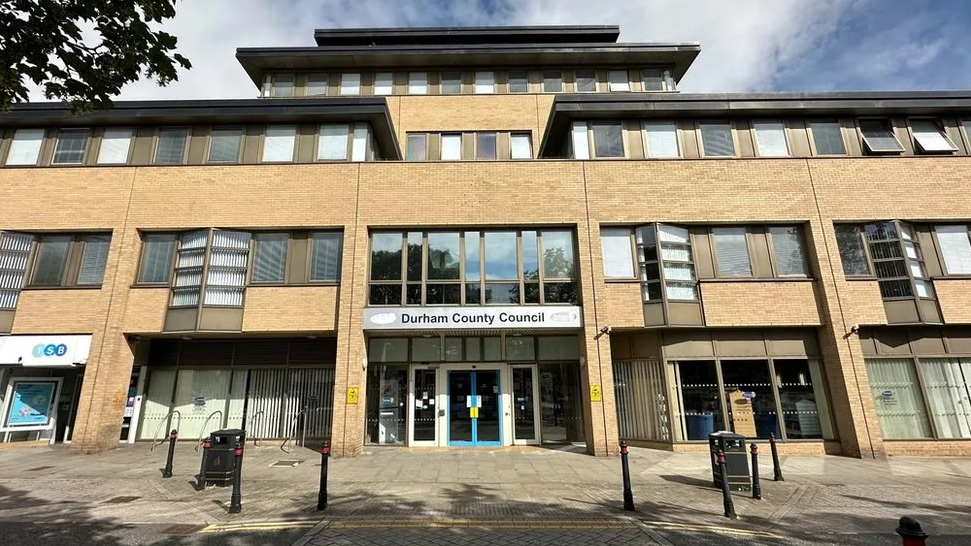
[726, 492]
[201, 479]
[776, 467]
[322, 492]
[910, 532]
[625, 470]
[236, 501]
[167, 473]
[756, 483]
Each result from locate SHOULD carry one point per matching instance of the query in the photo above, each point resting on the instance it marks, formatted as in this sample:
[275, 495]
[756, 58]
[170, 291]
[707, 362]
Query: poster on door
[31, 404]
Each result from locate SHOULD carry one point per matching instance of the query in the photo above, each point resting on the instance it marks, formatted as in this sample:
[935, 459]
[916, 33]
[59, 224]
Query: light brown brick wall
[290, 309]
[146, 309]
[790, 303]
[955, 300]
[59, 311]
[622, 302]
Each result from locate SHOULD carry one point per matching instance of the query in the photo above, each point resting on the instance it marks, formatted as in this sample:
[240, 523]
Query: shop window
[660, 139]
[69, 260]
[898, 399]
[698, 410]
[14, 257]
[770, 138]
[805, 409]
[586, 81]
[641, 400]
[115, 146]
[279, 143]
[955, 248]
[451, 83]
[170, 146]
[317, 84]
[350, 83]
[717, 139]
[71, 144]
[827, 137]
[25, 147]
[930, 137]
[947, 386]
[224, 144]
[552, 81]
[384, 83]
[878, 137]
[387, 392]
[282, 85]
[518, 82]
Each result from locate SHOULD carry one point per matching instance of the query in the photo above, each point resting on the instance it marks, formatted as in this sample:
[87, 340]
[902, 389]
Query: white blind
[451, 147]
[485, 82]
[616, 250]
[115, 144]
[946, 388]
[581, 147]
[278, 143]
[226, 277]
[14, 250]
[789, 253]
[270, 257]
[732, 250]
[417, 83]
[716, 139]
[898, 398]
[619, 80]
[93, 259]
[326, 256]
[25, 147]
[930, 137]
[359, 147]
[350, 83]
[771, 138]
[661, 138]
[188, 270]
[317, 84]
[521, 147]
[332, 143]
[383, 83]
[956, 248]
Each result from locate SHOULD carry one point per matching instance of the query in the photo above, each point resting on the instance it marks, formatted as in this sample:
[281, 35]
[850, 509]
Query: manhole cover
[287, 463]
[181, 529]
[121, 500]
[38, 468]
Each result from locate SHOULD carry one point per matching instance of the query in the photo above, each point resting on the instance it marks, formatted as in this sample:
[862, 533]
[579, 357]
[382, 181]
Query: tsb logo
[49, 350]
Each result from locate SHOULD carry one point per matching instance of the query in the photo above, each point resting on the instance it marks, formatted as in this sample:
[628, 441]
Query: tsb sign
[42, 350]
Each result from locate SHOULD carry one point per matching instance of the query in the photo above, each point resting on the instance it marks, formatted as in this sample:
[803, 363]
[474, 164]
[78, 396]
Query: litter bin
[220, 459]
[736, 460]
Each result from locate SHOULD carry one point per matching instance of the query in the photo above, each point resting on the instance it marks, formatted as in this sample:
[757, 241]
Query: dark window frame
[239, 144]
[85, 148]
[185, 143]
[73, 259]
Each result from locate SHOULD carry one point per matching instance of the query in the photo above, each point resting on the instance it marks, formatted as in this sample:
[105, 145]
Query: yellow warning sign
[473, 413]
[596, 395]
[352, 395]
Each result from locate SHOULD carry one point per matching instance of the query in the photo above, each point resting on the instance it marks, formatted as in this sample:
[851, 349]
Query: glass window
[387, 392]
[716, 138]
[226, 274]
[473, 264]
[878, 138]
[386, 257]
[552, 81]
[661, 139]
[946, 387]
[615, 247]
[443, 256]
[417, 83]
[14, 254]
[500, 255]
[580, 141]
[94, 258]
[485, 146]
[283, 85]
[417, 147]
[805, 411]
[558, 257]
[71, 144]
[587, 81]
[697, 410]
[387, 349]
[451, 147]
[679, 275]
[955, 248]
[170, 148]
[485, 82]
[224, 145]
[332, 142]
[25, 148]
[619, 80]
[157, 252]
[451, 83]
[852, 254]
[930, 137]
[608, 140]
[51, 260]
[278, 143]
[384, 83]
[897, 397]
[790, 256]
[327, 254]
[518, 83]
[426, 349]
[269, 257]
[520, 348]
[522, 146]
[889, 262]
[360, 149]
[563, 348]
[828, 137]
[731, 249]
[350, 83]
[653, 79]
[317, 84]
[115, 144]
[770, 137]
[750, 380]
[531, 266]
[191, 256]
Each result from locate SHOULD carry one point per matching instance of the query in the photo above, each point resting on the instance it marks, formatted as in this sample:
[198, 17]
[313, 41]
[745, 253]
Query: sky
[746, 45]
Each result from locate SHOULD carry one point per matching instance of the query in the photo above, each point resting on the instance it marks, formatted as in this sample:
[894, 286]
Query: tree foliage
[84, 51]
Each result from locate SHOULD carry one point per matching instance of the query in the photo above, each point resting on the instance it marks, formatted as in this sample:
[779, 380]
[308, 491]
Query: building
[490, 236]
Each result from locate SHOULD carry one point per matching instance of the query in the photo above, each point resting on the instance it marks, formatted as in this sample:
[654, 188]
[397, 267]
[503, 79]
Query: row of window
[583, 80]
[48, 261]
[479, 146]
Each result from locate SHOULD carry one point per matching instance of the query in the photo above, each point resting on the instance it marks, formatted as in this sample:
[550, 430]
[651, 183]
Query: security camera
[605, 331]
[855, 328]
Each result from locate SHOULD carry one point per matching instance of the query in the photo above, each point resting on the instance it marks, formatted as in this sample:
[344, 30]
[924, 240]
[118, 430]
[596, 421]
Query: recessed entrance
[474, 416]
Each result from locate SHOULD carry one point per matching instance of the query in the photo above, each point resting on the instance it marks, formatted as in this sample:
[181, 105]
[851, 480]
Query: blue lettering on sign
[50, 350]
[61, 349]
[38, 350]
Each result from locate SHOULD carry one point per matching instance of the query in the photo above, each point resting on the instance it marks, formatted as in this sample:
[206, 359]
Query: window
[518, 83]
[946, 389]
[384, 83]
[827, 137]
[25, 148]
[580, 141]
[451, 83]
[849, 239]
[226, 272]
[278, 143]
[731, 250]
[71, 144]
[317, 84]
[283, 85]
[619, 81]
[878, 137]
[897, 260]
[451, 147]
[898, 398]
[326, 256]
[552, 81]
[485, 83]
[955, 248]
[660, 139]
[521, 146]
[417, 83]
[787, 248]
[930, 137]
[350, 83]
[94, 258]
[115, 144]
[171, 144]
[770, 137]
[652, 79]
[586, 81]
[615, 247]
[665, 249]
[608, 140]
[157, 252]
[417, 147]
[70, 260]
[269, 257]
[191, 257]
[332, 142]
[14, 256]
[485, 146]
[50, 260]
[716, 138]
[224, 145]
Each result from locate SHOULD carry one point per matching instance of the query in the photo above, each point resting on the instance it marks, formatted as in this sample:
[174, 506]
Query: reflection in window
[558, 256]
[608, 140]
[805, 411]
[500, 255]
[852, 253]
[698, 404]
[485, 146]
[749, 380]
[386, 256]
[946, 387]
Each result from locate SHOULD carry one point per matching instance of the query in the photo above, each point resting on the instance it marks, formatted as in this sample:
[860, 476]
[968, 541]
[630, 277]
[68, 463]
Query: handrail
[202, 434]
[164, 421]
[291, 434]
[257, 441]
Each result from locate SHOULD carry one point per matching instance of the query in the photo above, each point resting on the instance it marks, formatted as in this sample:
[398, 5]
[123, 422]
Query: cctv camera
[855, 328]
[606, 330]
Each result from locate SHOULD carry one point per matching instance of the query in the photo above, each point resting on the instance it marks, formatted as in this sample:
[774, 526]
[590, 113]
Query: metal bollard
[776, 467]
[625, 470]
[201, 479]
[167, 472]
[910, 532]
[322, 492]
[756, 480]
[236, 501]
[726, 492]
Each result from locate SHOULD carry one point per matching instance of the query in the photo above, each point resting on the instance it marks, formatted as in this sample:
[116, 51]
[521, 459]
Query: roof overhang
[467, 35]
[373, 110]
[567, 108]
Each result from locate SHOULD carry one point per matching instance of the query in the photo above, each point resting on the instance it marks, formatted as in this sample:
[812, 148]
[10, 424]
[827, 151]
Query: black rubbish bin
[736, 460]
[220, 459]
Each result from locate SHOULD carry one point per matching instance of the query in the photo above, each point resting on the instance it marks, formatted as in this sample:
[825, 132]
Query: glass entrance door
[424, 421]
[474, 416]
[524, 405]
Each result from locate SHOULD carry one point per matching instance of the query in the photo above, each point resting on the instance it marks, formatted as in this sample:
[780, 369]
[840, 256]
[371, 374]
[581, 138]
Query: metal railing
[165, 421]
[292, 430]
[253, 420]
[202, 435]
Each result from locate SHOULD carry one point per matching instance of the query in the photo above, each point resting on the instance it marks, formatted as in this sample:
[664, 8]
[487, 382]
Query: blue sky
[747, 45]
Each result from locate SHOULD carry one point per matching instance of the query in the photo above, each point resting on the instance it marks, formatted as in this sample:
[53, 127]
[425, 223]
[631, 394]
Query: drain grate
[121, 500]
[182, 529]
[38, 468]
[287, 463]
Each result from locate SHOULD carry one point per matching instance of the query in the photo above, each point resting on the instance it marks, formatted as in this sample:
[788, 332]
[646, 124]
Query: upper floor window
[279, 143]
[552, 81]
[616, 247]
[317, 84]
[25, 148]
[275, 263]
[955, 248]
[598, 140]
[282, 85]
[71, 144]
[225, 144]
[889, 250]
[521, 146]
[14, 258]
[485, 82]
[653, 79]
[930, 138]
[619, 81]
[518, 82]
[350, 83]
[451, 83]
[717, 139]
[660, 139]
[586, 81]
[770, 138]
[451, 147]
[731, 252]
[170, 146]
[417, 83]
[332, 142]
[482, 146]
[115, 146]
[417, 147]
[69, 260]
[384, 83]
[827, 137]
[156, 263]
[485, 146]
[878, 137]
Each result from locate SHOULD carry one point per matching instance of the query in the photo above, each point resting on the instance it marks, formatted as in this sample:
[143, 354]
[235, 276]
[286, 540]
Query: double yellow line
[710, 528]
[258, 526]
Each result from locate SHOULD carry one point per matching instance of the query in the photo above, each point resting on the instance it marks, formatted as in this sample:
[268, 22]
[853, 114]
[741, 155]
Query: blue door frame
[475, 425]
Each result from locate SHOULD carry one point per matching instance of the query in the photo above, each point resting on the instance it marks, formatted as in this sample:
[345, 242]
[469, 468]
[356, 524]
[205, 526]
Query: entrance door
[524, 406]
[474, 414]
[424, 411]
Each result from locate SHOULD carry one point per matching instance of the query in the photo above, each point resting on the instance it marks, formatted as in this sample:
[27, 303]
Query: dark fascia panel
[258, 61]
[195, 112]
[566, 108]
[561, 34]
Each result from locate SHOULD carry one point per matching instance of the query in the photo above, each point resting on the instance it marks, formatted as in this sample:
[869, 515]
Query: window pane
[114, 146]
[270, 257]
[485, 146]
[326, 265]
[350, 84]
[520, 348]
[71, 144]
[417, 83]
[14, 252]
[955, 248]
[51, 259]
[852, 253]
[732, 250]
[897, 397]
[386, 257]
[485, 82]
[317, 84]
[697, 411]
[790, 255]
[530, 256]
[661, 139]
[188, 269]
[502, 293]
[878, 137]
[224, 145]
[930, 137]
[587, 81]
[332, 142]
[25, 147]
[384, 294]
[93, 259]
[560, 292]
[359, 144]
[552, 81]
[500, 255]
[805, 412]
[228, 261]
[443, 294]
[558, 255]
[443, 255]
[653, 80]
[521, 147]
[518, 82]
[828, 137]
[451, 83]
[472, 262]
[278, 143]
[770, 136]
[581, 145]
[383, 83]
[946, 388]
[157, 258]
[616, 250]
[608, 140]
[283, 85]
[451, 147]
[414, 255]
[750, 378]
[619, 80]
[170, 148]
[717, 139]
[417, 147]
